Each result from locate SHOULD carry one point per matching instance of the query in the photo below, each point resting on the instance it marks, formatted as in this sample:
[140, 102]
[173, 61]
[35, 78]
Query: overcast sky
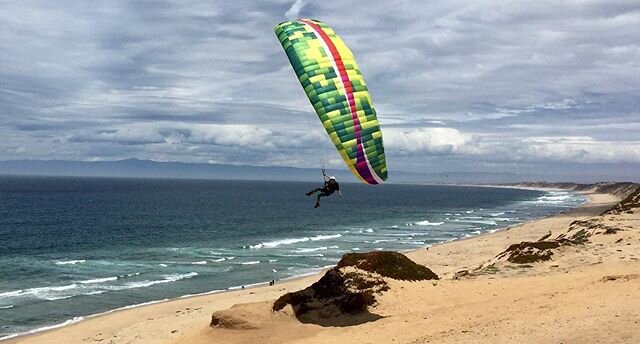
[458, 85]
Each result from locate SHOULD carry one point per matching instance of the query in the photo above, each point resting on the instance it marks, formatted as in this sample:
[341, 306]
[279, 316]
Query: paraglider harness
[330, 185]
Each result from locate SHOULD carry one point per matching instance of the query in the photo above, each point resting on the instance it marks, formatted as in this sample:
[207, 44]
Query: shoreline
[260, 288]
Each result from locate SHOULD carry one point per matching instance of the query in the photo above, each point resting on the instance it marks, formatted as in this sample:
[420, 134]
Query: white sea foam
[202, 262]
[251, 263]
[272, 260]
[277, 243]
[553, 198]
[503, 219]
[312, 249]
[497, 214]
[6, 307]
[70, 262]
[290, 241]
[147, 283]
[95, 292]
[12, 293]
[327, 237]
[303, 255]
[163, 265]
[219, 260]
[427, 223]
[98, 280]
[383, 240]
[420, 243]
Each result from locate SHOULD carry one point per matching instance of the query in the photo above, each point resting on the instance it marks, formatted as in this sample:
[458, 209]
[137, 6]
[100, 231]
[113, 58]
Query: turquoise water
[72, 247]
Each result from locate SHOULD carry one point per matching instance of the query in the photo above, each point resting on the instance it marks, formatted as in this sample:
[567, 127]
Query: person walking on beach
[330, 186]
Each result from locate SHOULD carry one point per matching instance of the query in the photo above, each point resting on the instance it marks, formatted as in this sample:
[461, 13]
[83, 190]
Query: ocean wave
[312, 249]
[484, 222]
[419, 243]
[49, 293]
[290, 241]
[553, 198]
[93, 287]
[497, 214]
[383, 240]
[131, 274]
[98, 280]
[70, 262]
[148, 283]
[251, 263]
[6, 307]
[219, 260]
[542, 201]
[427, 223]
[326, 237]
[202, 262]
[12, 293]
[504, 219]
[368, 230]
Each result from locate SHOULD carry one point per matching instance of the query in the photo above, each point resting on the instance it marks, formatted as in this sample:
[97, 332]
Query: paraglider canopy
[334, 85]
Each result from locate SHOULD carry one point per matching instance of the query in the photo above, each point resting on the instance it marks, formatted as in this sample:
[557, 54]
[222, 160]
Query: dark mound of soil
[335, 294]
[388, 264]
[350, 291]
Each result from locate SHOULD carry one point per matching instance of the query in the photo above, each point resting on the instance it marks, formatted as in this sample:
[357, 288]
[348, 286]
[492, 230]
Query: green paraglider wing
[330, 76]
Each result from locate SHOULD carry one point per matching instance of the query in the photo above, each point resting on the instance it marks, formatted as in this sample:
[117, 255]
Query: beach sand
[585, 294]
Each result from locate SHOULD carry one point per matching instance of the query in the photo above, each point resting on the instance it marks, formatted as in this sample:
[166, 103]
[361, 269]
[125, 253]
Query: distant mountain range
[134, 168]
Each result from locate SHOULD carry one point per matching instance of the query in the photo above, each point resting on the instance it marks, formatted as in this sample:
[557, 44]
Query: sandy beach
[585, 293]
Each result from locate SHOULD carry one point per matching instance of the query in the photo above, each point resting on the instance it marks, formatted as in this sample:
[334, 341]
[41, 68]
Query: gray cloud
[492, 83]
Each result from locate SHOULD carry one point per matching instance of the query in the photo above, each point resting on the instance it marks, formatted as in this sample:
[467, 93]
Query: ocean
[75, 247]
